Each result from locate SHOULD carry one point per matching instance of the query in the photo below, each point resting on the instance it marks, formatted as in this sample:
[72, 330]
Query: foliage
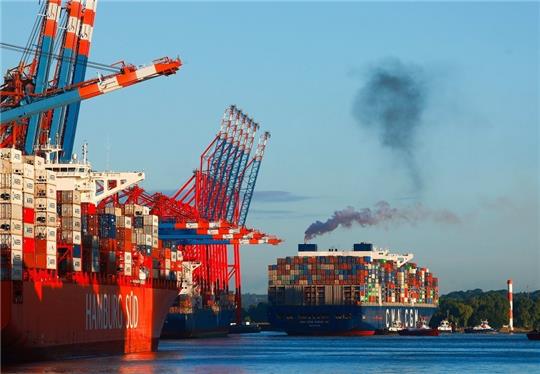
[468, 308]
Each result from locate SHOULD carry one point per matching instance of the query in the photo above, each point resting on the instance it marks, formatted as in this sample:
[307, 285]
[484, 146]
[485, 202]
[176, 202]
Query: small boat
[445, 327]
[394, 329]
[244, 328]
[421, 329]
[482, 328]
[533, 335]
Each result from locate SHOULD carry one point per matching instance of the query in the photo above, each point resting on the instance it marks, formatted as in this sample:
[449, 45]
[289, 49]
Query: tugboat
[421, 329]
[394, 329]
[445, 327]
[482, 328]
[244, 328]
[533, 335]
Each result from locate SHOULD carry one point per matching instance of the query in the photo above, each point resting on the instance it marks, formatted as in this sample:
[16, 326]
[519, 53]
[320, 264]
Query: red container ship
[78, 277]
[103, 316]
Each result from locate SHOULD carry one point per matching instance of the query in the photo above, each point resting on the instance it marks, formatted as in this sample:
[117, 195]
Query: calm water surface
[279, 353]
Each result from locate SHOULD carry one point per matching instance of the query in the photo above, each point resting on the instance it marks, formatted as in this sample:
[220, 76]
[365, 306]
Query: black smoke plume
[392, 102]
[383, 213]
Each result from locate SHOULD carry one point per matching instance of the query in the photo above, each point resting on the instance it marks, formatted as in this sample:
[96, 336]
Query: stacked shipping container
[42, 227]
[341, 278]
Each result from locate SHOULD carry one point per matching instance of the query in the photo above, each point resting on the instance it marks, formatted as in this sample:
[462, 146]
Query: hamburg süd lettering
[109, 311]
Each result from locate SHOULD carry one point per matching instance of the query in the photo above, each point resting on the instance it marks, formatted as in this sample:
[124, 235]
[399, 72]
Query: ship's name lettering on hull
[110, 311]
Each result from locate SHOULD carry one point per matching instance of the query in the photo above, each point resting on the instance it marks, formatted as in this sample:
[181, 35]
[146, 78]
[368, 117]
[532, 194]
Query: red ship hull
[55, 319]
[419, 332]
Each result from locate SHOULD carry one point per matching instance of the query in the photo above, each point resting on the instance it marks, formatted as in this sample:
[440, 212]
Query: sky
[300, 68]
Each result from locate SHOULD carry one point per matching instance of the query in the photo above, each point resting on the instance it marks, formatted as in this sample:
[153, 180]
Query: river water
[278, 353]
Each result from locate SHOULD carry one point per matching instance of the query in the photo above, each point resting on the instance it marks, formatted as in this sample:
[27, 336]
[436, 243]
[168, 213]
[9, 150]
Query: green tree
[524, 312]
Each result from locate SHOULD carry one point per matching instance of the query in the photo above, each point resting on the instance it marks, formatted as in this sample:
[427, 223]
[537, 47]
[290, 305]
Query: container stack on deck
[45, 228]
[346, 279]
[27, 213]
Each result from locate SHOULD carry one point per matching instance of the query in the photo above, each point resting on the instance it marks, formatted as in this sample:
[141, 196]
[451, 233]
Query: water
[279, 353]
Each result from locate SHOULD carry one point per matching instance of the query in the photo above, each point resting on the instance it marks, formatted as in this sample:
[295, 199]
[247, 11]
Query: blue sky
[297, 68]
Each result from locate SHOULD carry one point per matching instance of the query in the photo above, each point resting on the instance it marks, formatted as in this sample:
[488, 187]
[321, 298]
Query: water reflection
[278, 353]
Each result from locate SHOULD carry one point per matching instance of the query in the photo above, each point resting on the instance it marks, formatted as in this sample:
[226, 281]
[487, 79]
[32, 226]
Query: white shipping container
[40, 203]
[38, 162]
[148, 240]
[45, 190]
[28, 200]
[51, 262]
[51, 247]
[51, 177]
[71, 210]
[145, 211]
[11, 196]
[76, 237]
[11, 155]
[16, 257]
[133, 210]
[77, 264]
[13, 242]
[51, 205]
[69, 197]
[71, 224]
[11, 181]
[11, 226]
[167, 264]
[173, 256]
[13, 168]
[40, 176]
[109, 210]
[28, 230]
[155, 242]
[127, 269]
[28, 171]
[127, 257]
[9, 211]
[28, 186]
[45, 219]
[124, 222]
[46, 232]
[151, 220]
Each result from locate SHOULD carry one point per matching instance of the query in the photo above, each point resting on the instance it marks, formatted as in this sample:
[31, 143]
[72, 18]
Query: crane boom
[129, 75]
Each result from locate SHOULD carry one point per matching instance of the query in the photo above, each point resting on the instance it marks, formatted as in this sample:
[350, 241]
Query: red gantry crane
[39, 107]
[41, 96]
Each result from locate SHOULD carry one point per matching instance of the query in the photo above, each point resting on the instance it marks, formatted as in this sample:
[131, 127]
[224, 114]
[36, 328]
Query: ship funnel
[305, 247]
[362, 247]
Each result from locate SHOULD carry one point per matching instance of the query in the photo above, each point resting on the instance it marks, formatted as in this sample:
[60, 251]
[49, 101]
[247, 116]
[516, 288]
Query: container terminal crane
[90, 262]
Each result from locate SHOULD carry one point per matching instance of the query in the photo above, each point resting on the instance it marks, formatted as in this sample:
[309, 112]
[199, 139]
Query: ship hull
[419, 332]
[53, 320]
[345, 320]
[202, 323]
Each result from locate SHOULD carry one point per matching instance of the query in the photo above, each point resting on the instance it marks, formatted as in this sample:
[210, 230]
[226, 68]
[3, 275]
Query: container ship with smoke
[348, 292]
[91, 263]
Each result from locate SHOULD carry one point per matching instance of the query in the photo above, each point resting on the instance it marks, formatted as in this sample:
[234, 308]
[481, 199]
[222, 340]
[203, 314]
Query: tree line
[468, 308]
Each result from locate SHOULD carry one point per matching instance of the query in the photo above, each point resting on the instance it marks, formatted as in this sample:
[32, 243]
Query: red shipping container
[28, 215]
[29, 260]
[40, 246]
[41, 261]
[88, 208]
[29, 245]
